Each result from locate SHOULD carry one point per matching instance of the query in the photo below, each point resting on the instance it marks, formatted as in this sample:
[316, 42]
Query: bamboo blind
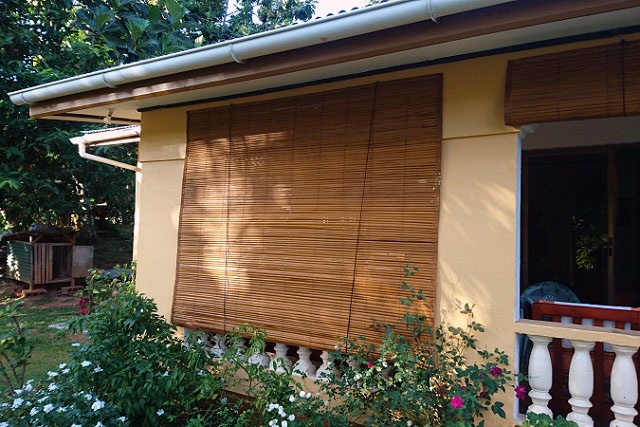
[631, 55]
[298, 214]
[579, 84]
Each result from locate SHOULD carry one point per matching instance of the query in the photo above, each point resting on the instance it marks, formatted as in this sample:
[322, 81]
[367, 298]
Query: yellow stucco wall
[478, 237]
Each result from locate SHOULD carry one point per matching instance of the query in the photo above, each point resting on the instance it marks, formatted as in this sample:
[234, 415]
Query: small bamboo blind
[298, 214]
[631, 56]
[586, 83]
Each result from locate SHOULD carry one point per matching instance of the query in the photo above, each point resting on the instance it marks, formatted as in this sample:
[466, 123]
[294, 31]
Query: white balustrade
[219, 345]
[623, 383]
[280, 362]
[540, 375]
[259, 358]
[304, 364]
[326, 368]
[624, 387]
[581, 383]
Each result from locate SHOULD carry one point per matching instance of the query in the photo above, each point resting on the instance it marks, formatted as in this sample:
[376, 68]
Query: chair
[548, 291]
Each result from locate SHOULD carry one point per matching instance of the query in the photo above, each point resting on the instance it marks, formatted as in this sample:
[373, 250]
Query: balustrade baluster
[303, 364]
[581, 383]
[624, 387]
[540, 375]
[326, 368]
[219, 346]
[281, 362]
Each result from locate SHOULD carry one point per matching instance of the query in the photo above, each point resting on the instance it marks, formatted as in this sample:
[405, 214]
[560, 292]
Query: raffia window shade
[631, 55]
[580, 84]
[298, 214]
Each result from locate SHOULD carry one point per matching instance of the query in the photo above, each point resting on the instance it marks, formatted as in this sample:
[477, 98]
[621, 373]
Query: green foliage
[136, 360]
[14, 350]
[102, 285]
[543, 420]
[419, 375]
[57, 402]
[42, 178]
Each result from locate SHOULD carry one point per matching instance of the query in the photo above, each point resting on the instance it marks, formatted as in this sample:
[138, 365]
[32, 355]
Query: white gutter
[114, 136]
[361, 21]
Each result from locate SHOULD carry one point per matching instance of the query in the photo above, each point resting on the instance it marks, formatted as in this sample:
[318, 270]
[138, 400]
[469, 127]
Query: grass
[51, 347]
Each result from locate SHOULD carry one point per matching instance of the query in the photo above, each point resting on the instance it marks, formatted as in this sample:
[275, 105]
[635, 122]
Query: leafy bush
[137, 361]
[14, 350]
[420, 376]
[543, 420]
[58, 402]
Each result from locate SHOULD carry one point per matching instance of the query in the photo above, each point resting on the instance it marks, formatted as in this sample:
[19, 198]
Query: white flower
[62, 366]
[62, 409]
[52, 374]
[357, 377]
[17, 392]
[52, 387]
[33, 411]
[166, 374]
[76, 425]
[98, 404]
[4, 424]
[66, 370]
[284, 423]
[302, 393]
[160, 412]
[48, 408]
[17, 403]
[409, 423]
[223, 400]
[88, 396]
[99, 424]
[75, 344]
[292, 417]
[292, 398]
[308, 395]
[97, 369]
[273, 423]
[28, 387]
[85, 363]
[122, 419]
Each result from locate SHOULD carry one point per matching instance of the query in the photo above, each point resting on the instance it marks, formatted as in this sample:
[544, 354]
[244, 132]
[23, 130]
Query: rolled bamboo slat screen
[299, 214]
[587, 83]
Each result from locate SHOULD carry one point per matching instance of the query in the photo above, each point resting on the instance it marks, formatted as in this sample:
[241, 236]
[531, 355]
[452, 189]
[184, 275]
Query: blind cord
[364, 184]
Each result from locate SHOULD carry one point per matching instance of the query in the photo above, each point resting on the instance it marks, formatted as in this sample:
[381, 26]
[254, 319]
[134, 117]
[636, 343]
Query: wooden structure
[40, 263]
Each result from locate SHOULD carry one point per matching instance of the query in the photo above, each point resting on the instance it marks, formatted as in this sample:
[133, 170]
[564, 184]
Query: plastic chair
[548, 291]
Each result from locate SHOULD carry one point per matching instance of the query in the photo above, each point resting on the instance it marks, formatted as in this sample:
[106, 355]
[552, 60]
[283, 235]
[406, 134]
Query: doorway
[581, 215]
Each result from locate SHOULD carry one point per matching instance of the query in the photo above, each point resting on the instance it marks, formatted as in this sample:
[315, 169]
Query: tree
[42, 179]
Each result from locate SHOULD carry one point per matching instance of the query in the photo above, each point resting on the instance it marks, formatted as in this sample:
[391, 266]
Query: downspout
[330, 28]
[130, 135]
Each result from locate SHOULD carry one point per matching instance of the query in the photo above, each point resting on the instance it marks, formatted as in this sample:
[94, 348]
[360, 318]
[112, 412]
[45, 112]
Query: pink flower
[370, 364]
[521, 392]
[456, 402]
[496, 371]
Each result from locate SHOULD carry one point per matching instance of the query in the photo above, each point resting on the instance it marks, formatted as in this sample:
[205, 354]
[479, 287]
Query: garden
[121, 364]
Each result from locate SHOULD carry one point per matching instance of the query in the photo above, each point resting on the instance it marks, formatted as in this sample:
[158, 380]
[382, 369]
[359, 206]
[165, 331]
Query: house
[285, 178]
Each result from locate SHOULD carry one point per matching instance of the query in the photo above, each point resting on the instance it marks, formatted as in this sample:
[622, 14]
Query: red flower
[496, 371]
[456, 402]
[370, 364]
[521, 392]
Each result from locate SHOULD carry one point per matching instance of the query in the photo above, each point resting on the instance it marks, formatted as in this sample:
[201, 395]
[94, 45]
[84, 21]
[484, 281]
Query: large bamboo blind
[298, 214]
[588, 83]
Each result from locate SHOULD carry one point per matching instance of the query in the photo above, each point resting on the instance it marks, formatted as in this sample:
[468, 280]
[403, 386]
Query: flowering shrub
[58, 402]
[133, 357]
[420, 376]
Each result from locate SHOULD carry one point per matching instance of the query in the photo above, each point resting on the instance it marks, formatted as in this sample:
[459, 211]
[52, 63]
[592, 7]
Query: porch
[582, 362]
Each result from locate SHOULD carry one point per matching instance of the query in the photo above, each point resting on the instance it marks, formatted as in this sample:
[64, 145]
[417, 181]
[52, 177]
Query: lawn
[51, 347]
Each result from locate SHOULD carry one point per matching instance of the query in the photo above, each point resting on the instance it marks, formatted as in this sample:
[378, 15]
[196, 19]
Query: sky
[325, 7]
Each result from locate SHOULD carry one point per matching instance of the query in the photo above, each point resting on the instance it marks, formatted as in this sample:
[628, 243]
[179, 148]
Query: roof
[406, 33]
